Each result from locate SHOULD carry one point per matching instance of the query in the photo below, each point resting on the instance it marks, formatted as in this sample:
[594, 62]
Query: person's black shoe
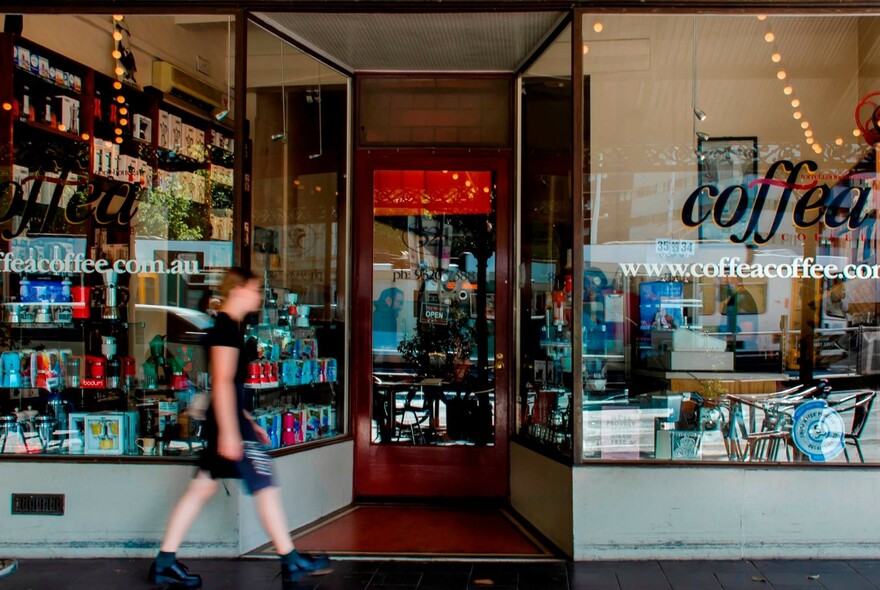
[176, 575]
[291, 574]
[311, 563]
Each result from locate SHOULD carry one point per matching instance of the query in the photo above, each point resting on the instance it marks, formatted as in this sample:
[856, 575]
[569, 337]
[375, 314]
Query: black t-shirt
[228, 332]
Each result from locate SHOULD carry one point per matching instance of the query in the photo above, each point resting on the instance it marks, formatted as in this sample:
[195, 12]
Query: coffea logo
[817, 203]
[95, 203]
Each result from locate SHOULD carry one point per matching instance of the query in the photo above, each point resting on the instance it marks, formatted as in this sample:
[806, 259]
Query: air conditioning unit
[171, 79]
[870, 353]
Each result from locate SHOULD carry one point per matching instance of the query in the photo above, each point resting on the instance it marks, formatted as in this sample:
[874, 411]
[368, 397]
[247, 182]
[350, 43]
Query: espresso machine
[110, 296]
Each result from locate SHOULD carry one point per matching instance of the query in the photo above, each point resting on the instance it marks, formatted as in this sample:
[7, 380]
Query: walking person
[233, 444]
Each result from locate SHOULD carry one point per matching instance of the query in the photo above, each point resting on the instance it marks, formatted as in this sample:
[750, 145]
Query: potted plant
[440, 350]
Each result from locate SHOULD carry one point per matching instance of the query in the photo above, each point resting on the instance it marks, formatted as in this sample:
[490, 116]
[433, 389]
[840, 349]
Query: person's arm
[262, 436]
[224, 362]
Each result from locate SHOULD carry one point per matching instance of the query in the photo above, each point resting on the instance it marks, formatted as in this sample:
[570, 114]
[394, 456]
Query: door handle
[499, 365]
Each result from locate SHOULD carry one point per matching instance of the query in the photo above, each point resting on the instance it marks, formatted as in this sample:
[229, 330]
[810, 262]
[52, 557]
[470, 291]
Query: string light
[762, 17]
[795, 103]
[776, 57]
[586, 49]
[597, 26]
[838, 141]
[857, 132]
[781, 74]
[808, 133]
[769, 37]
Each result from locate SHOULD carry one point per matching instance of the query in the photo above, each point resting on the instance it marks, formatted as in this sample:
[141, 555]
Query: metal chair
[755, 445]
[860, 405]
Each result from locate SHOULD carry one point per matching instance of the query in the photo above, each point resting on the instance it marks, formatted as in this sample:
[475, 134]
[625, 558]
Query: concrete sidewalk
[225, 574]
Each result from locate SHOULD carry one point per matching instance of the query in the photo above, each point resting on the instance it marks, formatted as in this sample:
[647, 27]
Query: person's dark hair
[235, 277]
[390, 293]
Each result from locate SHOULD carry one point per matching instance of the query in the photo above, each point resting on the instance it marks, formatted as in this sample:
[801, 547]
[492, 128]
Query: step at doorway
[420, 531]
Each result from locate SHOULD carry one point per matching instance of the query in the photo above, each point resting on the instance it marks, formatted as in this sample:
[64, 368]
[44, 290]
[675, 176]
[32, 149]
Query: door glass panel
[433, 307]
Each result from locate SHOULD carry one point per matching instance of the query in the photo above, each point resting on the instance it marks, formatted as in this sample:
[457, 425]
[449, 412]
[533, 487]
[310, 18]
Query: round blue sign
[817, 431]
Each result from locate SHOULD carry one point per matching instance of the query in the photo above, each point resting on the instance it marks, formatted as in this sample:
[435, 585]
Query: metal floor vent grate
[52, 504]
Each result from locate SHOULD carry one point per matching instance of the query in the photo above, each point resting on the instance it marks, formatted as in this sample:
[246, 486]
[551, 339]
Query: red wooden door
[431, 388]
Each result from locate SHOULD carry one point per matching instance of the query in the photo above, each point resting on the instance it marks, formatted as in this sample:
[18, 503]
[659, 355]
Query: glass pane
[297, 109]
[123, 229]
[434, 306]
[546, 319]
[730, 287]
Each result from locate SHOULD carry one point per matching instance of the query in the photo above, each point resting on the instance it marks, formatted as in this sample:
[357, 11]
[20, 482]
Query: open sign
[434, 313]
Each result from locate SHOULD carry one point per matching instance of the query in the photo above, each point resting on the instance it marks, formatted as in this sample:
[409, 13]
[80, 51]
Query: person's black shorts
[254, 468]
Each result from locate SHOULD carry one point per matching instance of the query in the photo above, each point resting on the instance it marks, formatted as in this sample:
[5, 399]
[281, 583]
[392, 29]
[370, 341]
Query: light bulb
[62, 127]
[455, 176]
[597, 26]
[117, 35]
[808, 133]
[769, 37]
[810, 140]
[781, 74]
[817, 148]
[85, 136]
[805, 125]
[857, 132]
[762, 17]
[120, 99]
[776, 57]
[787, 90]
[586, 49]
[117, 85]
[119, 71]
[795, 102]
[123, 121]
[838, 141]
[123, 111]
[118, 17]
[117, 131]
[118, 140]
[796, 114]
[116, 54]
[7, 106]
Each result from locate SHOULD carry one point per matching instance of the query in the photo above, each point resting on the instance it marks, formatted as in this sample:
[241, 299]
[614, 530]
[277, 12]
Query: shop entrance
[432, 249]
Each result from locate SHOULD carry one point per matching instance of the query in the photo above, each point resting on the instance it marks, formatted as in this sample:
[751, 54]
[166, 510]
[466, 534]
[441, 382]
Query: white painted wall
[313, 484]
[111, 510]
[716, 513]
[540, 491]
[121, 510]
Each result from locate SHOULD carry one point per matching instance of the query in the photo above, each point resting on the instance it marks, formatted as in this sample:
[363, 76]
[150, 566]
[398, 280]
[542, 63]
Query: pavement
[420, 574]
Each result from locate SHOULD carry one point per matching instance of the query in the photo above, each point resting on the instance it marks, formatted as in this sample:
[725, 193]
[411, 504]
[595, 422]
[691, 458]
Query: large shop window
[297, 112]
[117, 222]
[730, 298]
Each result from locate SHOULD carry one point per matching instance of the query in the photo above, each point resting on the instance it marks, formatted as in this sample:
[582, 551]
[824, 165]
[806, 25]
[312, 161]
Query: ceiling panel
[473, 41]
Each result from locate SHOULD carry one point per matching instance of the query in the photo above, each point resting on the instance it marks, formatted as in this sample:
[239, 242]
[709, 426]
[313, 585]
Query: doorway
[432, 248]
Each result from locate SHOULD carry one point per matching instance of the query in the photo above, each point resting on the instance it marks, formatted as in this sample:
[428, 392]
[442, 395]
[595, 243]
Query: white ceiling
[452, 42]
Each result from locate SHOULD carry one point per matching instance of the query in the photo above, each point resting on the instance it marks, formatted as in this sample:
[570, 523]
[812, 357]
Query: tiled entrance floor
[126, 574]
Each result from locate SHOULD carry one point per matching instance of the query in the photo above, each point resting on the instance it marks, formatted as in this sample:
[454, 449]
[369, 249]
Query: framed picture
[724, 162]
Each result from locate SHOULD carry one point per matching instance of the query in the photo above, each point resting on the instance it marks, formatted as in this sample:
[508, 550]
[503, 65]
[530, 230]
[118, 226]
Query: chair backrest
[861, 411]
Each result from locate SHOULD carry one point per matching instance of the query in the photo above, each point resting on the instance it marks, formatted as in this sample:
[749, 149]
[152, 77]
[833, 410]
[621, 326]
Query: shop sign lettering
[434, 313]
[95, 203]
[817, 204]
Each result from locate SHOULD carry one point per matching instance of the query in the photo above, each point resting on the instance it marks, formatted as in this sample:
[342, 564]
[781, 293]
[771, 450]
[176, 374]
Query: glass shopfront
[129, 186]
[726, 232]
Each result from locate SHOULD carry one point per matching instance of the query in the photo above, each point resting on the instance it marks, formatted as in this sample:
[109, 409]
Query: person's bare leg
[200, 490]
[273, 519]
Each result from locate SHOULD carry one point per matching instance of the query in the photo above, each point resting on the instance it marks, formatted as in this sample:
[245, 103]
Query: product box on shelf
[142, 127]
[164, 129]
[176, 134]
[104, 433]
